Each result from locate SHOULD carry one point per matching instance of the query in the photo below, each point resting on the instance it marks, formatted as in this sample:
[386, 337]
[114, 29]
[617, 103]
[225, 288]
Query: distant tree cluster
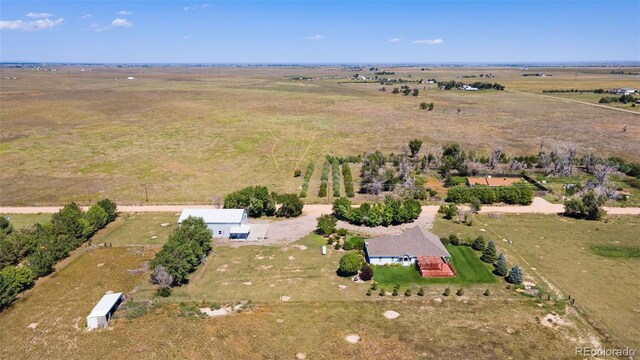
[560, 91]
[390, 212]
[452, 84]
[39, 247]
[426, 106]
[186, 248]
[258, 201]
[624, 99]
[520, 194]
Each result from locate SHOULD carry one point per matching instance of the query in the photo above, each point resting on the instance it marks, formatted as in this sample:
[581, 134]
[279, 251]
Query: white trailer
[103, 311]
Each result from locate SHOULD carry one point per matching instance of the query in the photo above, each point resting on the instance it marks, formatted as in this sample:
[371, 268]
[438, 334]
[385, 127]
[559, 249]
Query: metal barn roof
[214, 216]
[105, 304]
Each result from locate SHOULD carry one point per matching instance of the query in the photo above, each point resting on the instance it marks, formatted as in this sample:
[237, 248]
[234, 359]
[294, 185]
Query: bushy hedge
[307, 177]
[324, 178]
[348, 180]
[256, 199]
[390, 212]
[187, 247]
[520, 194]
[335, 184]
[42, 245]
[291, 205]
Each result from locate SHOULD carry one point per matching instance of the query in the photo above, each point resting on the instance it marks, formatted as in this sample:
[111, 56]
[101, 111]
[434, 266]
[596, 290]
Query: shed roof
[105, 304]
[414, 242]
[214, 216]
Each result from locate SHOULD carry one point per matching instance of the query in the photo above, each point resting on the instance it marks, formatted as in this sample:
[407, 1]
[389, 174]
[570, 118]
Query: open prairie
[183, 135]
[597, 263]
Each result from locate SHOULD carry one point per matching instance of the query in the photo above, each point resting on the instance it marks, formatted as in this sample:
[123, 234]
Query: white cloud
[42, 15]
[86, 16]
[186, 37]
[125, 13]
[41, 24]
[429, 42]
[394, 40]
[314, 37]
[121, 23]
[196, 7]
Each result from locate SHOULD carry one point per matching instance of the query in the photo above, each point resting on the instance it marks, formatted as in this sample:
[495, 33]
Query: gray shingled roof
[414, 242]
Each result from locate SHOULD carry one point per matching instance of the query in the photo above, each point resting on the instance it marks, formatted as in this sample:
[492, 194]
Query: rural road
[539, 206]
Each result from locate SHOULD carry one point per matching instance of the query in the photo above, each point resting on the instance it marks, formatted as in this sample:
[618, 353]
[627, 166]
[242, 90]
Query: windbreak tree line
[42, 245]
[390, 212]
[260, 202]
[519, 194]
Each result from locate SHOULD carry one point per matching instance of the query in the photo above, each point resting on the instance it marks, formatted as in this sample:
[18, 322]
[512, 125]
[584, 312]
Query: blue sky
[319, 32]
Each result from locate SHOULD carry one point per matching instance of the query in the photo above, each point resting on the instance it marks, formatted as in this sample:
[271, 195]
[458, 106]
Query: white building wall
[222, 230]
[388, 260]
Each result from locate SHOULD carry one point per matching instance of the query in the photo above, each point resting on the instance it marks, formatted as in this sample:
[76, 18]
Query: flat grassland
[567, 254]
[183, 135]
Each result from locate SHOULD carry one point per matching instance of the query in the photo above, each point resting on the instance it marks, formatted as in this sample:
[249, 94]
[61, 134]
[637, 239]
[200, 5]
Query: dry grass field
[48, 321]
[187, 134]
[563, 253]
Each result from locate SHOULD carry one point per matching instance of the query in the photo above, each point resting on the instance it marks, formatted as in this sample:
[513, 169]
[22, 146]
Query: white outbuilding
[103, 311]
[223, 223]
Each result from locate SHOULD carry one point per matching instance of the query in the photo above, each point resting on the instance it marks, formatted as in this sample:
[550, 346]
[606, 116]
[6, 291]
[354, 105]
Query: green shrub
[449, 211]
[350, 263]
[454, 240]
[500, 267]
[421, 292]
[487, 292]
[307, 178]
[326, 225]
[354, 243]
[297, 173]
[460, 292]
[335, 184]
[291, 205]
[366, 272]
[407, 293]
[324, 178]
[446, 292]
[382, 292]
[395, 292]
[40, 262]
[369, 292]
[374, 286]
[164, 292]
[342, 232]
[348, 180]
[110, 208]
[337, 245]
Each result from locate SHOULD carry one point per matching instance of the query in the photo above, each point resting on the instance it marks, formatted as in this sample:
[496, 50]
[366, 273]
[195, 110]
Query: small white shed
[104, 309]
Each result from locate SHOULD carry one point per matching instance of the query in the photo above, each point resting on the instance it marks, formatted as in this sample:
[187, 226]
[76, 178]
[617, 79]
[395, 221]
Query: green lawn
[465, 261]
[25, 220]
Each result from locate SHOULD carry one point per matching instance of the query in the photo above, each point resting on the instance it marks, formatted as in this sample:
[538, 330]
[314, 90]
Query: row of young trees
[260, 202]
[187, 247]
[307, 177]
[39, 247]
[324, 179]
[335, 184]
[390, 212]
[520, 194]
[348, 180]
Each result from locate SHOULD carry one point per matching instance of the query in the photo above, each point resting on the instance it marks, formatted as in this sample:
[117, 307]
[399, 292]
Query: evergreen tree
[489, 254]
[515, 275]
[447, 292]
[500, 267]
[478, 244]
[421, 292]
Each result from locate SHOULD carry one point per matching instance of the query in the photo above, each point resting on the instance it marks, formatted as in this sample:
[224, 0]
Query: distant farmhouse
[223, 223]
[415, 246]
[493, 181]
[622, 91]
[469, 88]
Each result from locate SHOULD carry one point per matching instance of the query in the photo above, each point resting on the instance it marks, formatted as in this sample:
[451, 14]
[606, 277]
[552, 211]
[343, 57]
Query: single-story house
[223, 223]
[493, 181]
[103, 311]
[404, 249]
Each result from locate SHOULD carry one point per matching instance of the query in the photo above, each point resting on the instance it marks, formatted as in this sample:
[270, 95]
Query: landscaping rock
[353, 338]
[301, 356]
[342, 287]
[248, 283]
[165, 224]
[390, 314]
[33, 326]
[285, 298]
